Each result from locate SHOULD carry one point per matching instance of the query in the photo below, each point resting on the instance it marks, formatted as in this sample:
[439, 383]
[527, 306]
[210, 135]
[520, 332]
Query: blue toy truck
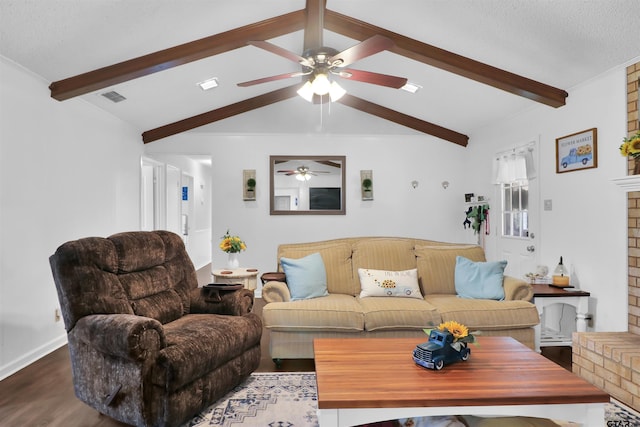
[440, 350]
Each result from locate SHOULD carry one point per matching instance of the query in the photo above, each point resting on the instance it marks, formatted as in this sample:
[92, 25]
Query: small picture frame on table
[577, 151]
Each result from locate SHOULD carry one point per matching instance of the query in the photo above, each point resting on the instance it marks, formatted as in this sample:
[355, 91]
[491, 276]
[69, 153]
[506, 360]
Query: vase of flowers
[232, 245]
[631, 148]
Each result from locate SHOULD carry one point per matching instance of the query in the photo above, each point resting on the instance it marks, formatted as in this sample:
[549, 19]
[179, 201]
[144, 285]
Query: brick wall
[633, 76]
[611, 362]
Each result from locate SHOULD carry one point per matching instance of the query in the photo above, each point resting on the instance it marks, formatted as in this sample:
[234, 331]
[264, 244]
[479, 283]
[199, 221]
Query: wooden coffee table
[364, 380]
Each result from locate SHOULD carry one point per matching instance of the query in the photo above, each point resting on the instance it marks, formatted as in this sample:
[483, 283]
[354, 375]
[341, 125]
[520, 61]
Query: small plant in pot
[251, 188]
[367, 187]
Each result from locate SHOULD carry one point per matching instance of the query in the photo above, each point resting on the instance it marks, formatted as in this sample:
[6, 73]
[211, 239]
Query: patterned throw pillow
[381, 283]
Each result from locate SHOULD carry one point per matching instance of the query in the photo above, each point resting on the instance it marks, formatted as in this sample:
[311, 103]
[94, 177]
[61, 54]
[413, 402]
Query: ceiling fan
[319, 62]
[302, 173]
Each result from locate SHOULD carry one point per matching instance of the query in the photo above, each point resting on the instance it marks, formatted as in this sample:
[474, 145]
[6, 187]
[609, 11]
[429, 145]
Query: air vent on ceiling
[113, 96]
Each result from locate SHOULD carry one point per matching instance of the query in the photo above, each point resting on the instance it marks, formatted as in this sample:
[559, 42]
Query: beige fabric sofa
[293, 325]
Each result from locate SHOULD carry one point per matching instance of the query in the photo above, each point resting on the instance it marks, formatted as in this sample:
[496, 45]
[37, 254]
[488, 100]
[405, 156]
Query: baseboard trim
[26, 360]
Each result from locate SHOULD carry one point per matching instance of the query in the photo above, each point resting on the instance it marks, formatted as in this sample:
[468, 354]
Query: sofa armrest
[235, 303]
[517, 289]
[122, 335]
[275, 292]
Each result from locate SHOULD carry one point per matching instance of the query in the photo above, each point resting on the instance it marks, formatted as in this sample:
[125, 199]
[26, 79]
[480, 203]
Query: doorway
[517, 196]
[175, 195]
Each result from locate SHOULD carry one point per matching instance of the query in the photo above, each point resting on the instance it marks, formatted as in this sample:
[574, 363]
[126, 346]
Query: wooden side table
[248, 277]
[544, 296]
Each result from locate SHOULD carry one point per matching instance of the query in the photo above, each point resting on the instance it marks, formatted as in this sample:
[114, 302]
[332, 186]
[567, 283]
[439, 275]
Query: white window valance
[514, 165]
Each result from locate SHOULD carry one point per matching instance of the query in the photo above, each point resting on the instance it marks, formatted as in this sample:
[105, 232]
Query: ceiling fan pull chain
[321, 113]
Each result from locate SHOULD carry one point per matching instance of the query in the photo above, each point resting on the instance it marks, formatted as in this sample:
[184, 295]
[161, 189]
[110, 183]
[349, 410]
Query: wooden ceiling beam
[449, 61]
[177, 55]
[220, 113]
[404, 119]
[314, 24]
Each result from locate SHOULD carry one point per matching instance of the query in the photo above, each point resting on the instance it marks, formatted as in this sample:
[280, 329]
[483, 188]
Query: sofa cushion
[482, 280]
[381, 313]
[383, 253]
[436, 265]
[383, 283]
[479, 314]
[335, 312]
[337, 263]
[306, 276]
[199, 343]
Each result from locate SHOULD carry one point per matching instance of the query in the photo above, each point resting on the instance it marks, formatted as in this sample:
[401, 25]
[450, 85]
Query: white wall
[429, 211]
[587, 224]
[67, 170]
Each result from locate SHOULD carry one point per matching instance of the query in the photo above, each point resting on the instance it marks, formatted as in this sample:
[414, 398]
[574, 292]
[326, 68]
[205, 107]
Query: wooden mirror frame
[274, 160]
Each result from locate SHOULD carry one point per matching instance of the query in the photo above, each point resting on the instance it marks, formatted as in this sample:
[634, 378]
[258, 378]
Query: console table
[248, 277]
[544, 296]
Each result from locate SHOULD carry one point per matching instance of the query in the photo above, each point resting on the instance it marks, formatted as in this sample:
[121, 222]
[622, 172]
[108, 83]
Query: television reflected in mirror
[307, 185]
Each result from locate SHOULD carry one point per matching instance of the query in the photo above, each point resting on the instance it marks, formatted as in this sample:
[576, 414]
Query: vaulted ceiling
[477, 62]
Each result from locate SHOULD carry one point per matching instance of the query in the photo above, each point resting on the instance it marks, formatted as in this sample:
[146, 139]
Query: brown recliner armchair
[147, 346]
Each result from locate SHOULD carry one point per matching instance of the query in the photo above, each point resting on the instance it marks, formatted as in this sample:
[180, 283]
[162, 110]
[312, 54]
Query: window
[515, 209]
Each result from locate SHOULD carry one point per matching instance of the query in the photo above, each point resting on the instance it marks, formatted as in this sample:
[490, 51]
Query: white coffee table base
[586, 414]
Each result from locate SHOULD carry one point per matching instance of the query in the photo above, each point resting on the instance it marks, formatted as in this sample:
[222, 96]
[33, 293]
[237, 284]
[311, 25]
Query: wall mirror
[307, 185]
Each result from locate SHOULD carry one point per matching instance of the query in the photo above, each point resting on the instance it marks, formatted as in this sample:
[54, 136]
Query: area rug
[290, 400]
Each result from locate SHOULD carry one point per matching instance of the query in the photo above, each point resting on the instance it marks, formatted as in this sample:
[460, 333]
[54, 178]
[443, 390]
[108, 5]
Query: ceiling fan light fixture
[321, 84]
[306, 92]
[303, 177]
[411, 87]
[336, 91]
[208, 84]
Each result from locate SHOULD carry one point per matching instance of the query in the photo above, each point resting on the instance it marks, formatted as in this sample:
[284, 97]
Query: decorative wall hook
[414, 183]
[445, 184]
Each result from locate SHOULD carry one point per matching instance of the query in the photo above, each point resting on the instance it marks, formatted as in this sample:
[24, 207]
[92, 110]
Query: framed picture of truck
[577, 151]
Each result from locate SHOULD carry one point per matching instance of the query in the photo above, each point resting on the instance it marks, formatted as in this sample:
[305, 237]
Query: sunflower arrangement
[459, 331]
[232, 244]
[631, 146]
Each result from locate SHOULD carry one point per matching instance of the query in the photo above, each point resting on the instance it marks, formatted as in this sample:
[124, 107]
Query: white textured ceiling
[561, 43]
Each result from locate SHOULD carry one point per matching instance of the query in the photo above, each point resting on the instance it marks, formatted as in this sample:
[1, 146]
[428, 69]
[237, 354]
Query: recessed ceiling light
[411, 87]
[209, 84]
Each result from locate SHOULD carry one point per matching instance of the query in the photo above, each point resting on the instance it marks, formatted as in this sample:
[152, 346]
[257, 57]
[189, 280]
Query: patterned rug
[290, 400]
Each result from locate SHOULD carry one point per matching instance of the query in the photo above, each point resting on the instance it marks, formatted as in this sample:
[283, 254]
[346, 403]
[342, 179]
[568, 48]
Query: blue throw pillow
[306, 277]
[479, 280]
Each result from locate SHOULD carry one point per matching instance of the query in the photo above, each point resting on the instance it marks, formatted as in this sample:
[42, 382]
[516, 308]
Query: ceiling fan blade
[270, 47]
[272, 78]
[368, 47]
[373, 78]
